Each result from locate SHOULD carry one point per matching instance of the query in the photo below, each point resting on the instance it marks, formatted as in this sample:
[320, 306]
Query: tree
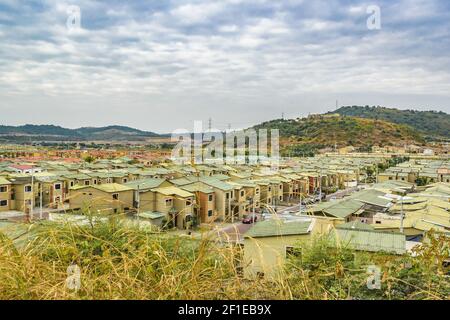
[89, 159]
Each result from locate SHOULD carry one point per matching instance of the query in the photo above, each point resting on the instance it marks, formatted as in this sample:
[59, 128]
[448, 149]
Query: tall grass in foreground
[124, 262]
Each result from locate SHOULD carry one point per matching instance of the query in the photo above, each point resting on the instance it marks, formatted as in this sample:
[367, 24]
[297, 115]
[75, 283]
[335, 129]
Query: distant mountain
[431, 123]
[327, 131]
[56, 133]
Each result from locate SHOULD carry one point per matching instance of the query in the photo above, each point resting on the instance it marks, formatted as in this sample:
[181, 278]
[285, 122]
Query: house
[22, 198]
[104, 198]
[51, 190]
[177, 204]
[269, 242]
[205, 209]
[224, 197]
[25, 169]
[143, 197]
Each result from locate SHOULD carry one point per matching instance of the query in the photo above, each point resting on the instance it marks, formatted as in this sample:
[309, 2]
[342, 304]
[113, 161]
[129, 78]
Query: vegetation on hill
[306, 135]
[56, 133]
[431, 123]
[118, 261]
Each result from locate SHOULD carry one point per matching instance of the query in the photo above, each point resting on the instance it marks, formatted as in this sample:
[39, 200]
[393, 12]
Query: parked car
[250, 219]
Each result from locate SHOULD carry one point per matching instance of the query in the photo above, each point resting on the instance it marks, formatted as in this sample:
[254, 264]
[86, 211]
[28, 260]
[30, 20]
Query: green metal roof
[217, 183]
[278, 227]
[198, 187]
[366, 240]
[151, 215]
[4, 181]
[145, 184]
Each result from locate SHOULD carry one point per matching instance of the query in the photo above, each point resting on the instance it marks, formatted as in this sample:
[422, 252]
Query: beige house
[177, 204]
[104, 198]
[268, 243]
[224, 197]
[22, 193]
[143, 196]
[205, 209]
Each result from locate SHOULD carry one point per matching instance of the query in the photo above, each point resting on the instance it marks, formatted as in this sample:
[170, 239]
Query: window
[3, 203]
[256, 191]
[95, 181]
[188, 203]
[168, 202]
[227, 195]
[281, 186]
[390, 178]
[210, 198]
[3, 189]
[86, 183]
[58, 186]
[242, 193]
[378, 222]
[270, 189]
[293, 251]
[72, 183]
[210, 213]
[125, 180]
[115, 196]
[27, 188]
[281, 198]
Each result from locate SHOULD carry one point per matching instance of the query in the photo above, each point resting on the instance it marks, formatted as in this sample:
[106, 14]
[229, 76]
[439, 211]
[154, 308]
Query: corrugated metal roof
[278, 227]
[369, 240]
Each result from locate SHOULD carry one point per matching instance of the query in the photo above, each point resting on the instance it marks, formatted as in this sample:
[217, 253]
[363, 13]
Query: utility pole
[300, 211]
[32, 194]
[401, 216]
[40, 201]
[320, 185]
[138, 203]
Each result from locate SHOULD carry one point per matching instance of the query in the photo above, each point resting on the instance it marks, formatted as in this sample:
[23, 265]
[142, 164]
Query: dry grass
[122, 262]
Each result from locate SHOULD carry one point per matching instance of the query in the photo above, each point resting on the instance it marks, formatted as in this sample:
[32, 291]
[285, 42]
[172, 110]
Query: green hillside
[322, 131]
[431, 123]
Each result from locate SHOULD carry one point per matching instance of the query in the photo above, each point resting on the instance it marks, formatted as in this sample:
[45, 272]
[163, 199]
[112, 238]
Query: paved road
[235, 232]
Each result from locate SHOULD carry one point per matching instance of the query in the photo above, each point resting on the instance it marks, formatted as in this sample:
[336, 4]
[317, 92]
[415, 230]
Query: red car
[250, 219]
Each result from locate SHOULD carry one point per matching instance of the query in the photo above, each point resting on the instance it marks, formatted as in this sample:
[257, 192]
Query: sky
[161, 65]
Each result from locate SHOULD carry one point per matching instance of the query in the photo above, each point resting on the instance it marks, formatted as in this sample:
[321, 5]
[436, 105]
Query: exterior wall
[223, 205]
[147, 201]
[184, 211]
[98, 200]
[22, 200]
[160, 203]
[288, 190]
[50, 195]
[267, 255]
[205, 206]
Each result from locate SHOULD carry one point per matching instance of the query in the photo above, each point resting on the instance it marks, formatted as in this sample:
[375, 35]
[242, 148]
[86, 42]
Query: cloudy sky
[159, 65]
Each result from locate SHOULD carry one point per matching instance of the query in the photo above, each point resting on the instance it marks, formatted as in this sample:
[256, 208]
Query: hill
[305, 135]
[56, 133]
[430, 123]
